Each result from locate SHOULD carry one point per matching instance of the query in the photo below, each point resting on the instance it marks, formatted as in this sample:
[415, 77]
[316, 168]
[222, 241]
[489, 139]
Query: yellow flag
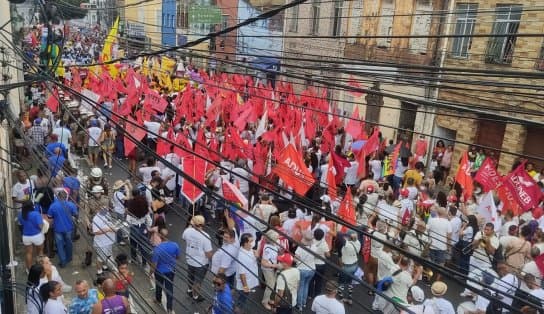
[167, 65]
[108, 45]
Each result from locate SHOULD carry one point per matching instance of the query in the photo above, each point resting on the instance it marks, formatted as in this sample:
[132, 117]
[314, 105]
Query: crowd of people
[406, 213]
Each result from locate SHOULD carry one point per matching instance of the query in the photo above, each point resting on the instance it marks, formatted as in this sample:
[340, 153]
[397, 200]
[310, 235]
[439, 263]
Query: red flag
[195, 167]
[163, 146]
[463, 176]
[292, 170]
[346, 212]
[487, 175]
[361, 159]
[395, 156]
[539, 261]
[373, 143]
[510, 202]
[135, 131]
[155, 101]
[353, 83]
[354, 127]
[339, 162]
[52, 102]
[331, 180]
[233, 194]
[523, 187]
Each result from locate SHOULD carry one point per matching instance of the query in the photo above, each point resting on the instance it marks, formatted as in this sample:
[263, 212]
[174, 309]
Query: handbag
[285, 301]
[45, 226]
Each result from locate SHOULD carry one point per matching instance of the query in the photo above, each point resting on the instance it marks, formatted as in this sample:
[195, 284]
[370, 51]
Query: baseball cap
[404, 192]
[370, 189]
[285, 258]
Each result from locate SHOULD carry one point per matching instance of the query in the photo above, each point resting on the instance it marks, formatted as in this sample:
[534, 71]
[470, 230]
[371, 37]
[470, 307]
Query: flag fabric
[353, 83]
[523, 187]
[107, 51]
[361, 168]
[53, 101]
[539, 260]
[395, 156]
[354, 127]
[487, 175]
[292, 170]
[232, 193]
[154, 100]
[132, 128]
[346, 212]
[331, 180]
[463, 176]
[194, 167]
[487, 209]
[373, 143]
[340, 163]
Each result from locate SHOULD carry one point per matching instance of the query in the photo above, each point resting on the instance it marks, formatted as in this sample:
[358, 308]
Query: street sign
[204, 14]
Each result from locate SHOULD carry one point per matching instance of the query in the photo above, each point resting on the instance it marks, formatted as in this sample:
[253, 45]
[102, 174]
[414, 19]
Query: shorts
[36, 239]
[103, 253]
[197, 273]
[94, 149]
[437, 256]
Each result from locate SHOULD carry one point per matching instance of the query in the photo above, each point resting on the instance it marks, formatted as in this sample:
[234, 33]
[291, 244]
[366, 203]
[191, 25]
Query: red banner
[292, 170]
[195, 167]
[135, 131]
[153, 99]
[487, 175]
[346, 211]
[463, 176]
[523, 187]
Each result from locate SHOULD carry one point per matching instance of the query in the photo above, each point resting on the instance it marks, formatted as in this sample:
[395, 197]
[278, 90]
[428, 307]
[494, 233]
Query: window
[466, 19]
[337, 18]
[293, 23]
[182, 16]
[314, 20]
[500, 49]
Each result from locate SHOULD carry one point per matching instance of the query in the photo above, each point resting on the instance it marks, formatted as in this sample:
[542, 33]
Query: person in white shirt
[439, 229]
[456, 224]
[198, 253]
[153, 128]
[104, 238]
[327, 303]
[93, 144]
[247, 270]
[269, 265]
[223, 261]
[51, 293]
[65, 137]
[147, 169]
[321, 248]
[121, 193]
[438, 303]
[289, 223]
[350, 262]
[350, 178]
[480, 305]
[263, 211]
[287, 278]
[241, 176]
[305, 261]
[22, 190]
[416, 298]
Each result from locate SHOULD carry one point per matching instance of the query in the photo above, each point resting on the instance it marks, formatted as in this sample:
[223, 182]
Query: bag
[285, 301]
[142, 188]
[496, 258]
[384, 284]
[45, 226]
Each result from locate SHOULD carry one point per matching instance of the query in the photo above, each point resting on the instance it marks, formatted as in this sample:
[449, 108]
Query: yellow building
[144, 19]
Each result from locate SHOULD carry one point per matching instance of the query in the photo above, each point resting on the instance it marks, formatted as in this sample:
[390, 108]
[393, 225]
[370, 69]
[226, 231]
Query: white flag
[261, 128]
[487, 208]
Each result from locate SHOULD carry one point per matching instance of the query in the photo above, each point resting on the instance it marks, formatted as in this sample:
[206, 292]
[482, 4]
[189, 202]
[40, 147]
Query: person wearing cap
[198, 253]
[287, 278]
[327, 303]
[60, 215]
[415, 298]
[93, 141]
[104, 237]
[349, 260]
[438, 303]
[406, 211]
[269, 263]
[305, 261]
[480, 305]
[121, 193]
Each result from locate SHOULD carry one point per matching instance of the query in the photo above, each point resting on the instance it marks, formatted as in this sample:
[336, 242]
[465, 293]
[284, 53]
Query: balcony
[388, 55]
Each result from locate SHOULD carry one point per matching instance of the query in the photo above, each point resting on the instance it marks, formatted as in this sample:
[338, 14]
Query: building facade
[503, 54]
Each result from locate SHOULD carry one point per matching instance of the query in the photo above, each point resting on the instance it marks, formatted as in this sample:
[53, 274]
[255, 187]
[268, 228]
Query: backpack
[384, 284]
[142, 188]
[286, 300]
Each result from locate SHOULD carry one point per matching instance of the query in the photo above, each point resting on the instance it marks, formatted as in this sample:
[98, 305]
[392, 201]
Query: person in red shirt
[123, 277]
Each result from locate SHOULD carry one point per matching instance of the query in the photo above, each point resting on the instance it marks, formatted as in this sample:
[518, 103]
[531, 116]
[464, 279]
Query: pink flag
[487, 175]
[523, 187]
[354, 126]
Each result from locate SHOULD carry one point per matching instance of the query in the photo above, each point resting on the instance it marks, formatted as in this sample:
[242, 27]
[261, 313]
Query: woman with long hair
[139, 219]
[51, 293]
[468, 230]
[33, 300]
[33, 238]
[107, 143]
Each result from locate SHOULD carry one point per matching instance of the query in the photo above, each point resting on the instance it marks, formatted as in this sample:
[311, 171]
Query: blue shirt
[50, 149]
[84, 306]
[61, 212]
[55, 164]
[165, 255]
[31, 225]
[222, 303]
[71, 183]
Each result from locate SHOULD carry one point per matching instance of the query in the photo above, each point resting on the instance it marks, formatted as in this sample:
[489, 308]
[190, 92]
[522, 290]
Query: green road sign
[204, 14]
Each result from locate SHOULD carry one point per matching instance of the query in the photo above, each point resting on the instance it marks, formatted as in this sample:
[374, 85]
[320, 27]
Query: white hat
[97, 189]
[417, 294]
[96, 172]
